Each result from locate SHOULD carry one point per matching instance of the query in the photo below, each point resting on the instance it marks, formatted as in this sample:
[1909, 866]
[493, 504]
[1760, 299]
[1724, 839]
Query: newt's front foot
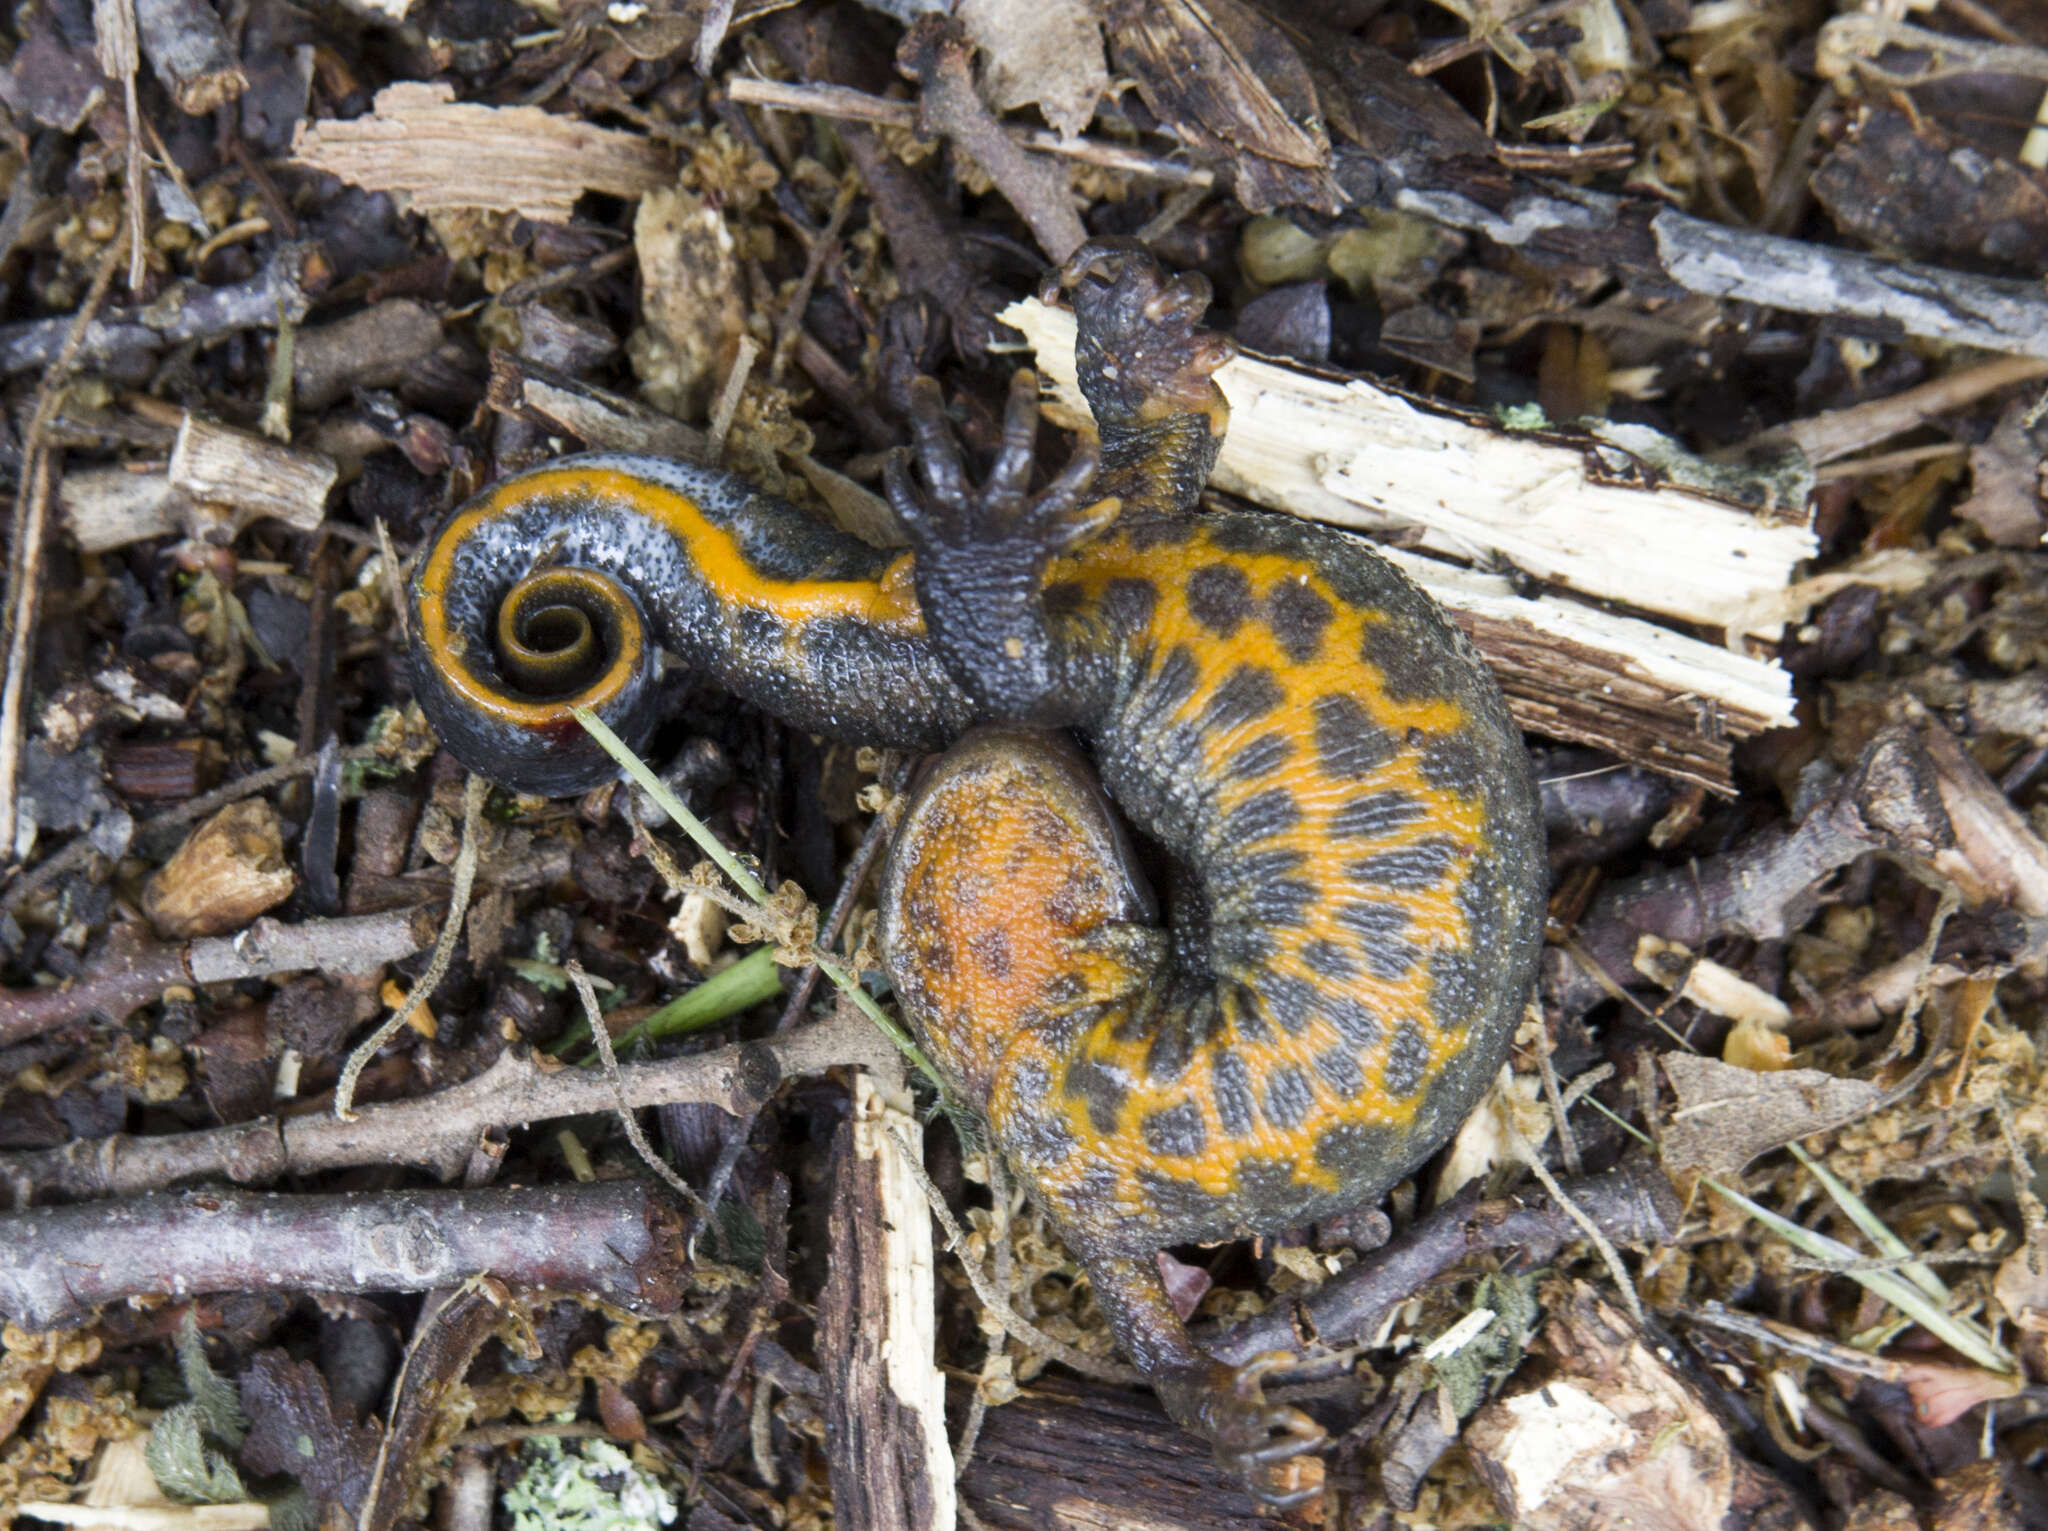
[1262, 1443]
[982, 553]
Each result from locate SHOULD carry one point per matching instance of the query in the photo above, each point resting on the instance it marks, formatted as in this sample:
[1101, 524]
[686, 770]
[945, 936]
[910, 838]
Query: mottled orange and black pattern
[1292, 722]
[1280, 731]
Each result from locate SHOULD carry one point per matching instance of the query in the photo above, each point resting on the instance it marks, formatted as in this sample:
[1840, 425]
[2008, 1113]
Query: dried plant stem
[836, 972]
[473, 794]
[25, 565]
[601, 1034]
[436, 1132]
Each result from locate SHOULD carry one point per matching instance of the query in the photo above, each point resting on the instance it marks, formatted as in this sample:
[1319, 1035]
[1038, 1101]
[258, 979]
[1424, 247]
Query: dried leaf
[1726, 1115]
[1611, 1437]
[296, 1430]
[1907, 188]
[1043, 52]
[1230, 83]
[2005, 482]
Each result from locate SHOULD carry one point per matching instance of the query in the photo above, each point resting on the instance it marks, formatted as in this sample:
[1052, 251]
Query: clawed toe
[1253, 1439]
[1142, 353]
[951, 512]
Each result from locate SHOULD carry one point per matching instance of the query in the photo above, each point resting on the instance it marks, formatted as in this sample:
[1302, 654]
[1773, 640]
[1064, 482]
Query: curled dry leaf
[1944, 1394]
[296, 1428]
[1725, 1116]
[229, 870]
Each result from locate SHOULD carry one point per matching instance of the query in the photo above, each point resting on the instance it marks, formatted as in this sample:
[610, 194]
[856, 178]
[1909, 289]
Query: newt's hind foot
[1265, 1444]
[1141, 350]
[982, 552]
[1146, 366]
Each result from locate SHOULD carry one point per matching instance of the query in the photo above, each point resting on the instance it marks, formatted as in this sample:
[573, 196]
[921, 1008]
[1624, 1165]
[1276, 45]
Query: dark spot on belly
[1240, 946]
[1340, 1071]
[1456, 762]
[1239, 887]
[1177, 1132]
[1169, 686]
[1030, 1083]
[1039, 1141]
[1242, 533]
[1283, 903]
[1063, 990]
[1220, 598]
[1230, 1080]
[1247, 694]
[1264, 754]
[1101, 1091]
[1297, 615]
[1078, 892]
[1241, 1015]
[1358, 1026]
[1259, 817]
[1407, 1060]
[1479, 900]
[1147, 532]
[1272, 1186]
[1373, 921]
[1373, 814]
[1369, 1159]
[1413, 661]
[1049, 829]
[1328, 960]
[1289, 1098]
[1127, 604]
[1097, 1185]
[991, 952]
[1289, 1001]
[1411, 868]
[1380, 927]
[1063, 598]
[1457, 995]
[1176, 1203]
[1351, 744]
[935, 956]
[1168, 1056]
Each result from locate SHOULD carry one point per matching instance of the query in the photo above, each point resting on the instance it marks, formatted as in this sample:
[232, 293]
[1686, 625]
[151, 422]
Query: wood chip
[1627, 516]
[227, 872]
[418, 140]
[255, 477]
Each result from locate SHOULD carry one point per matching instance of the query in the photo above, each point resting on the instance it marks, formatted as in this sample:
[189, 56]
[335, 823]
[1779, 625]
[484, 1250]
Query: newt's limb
[1224, 1404]
[982, 554]
[1146, 367]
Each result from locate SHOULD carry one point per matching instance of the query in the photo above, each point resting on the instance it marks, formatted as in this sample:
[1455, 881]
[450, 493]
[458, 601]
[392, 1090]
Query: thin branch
[615, 1240]
[436, 1132]
[131, 968]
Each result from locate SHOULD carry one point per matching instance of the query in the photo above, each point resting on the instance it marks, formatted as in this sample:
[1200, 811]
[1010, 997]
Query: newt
[1261, 710]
